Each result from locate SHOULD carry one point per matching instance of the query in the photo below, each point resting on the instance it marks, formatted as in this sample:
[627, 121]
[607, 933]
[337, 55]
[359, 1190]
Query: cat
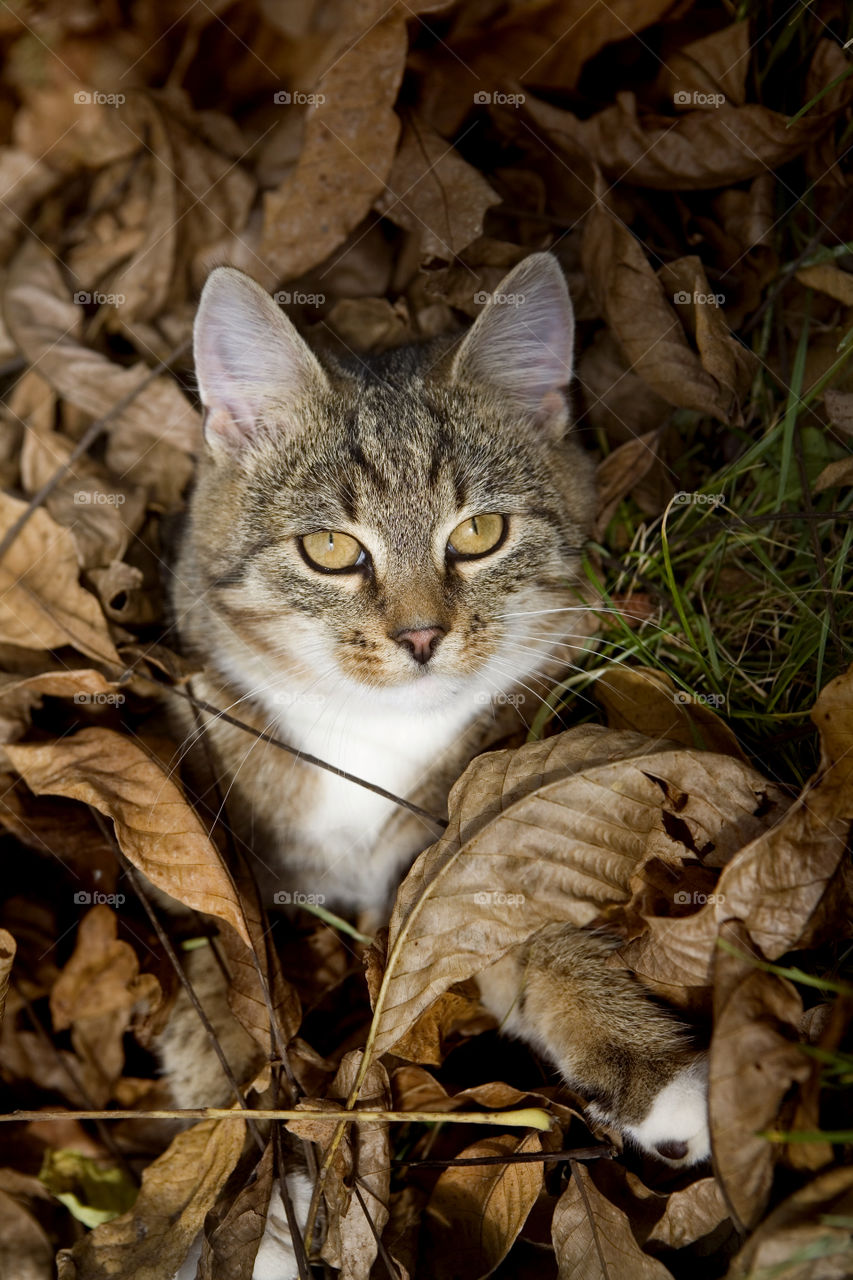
[377, 550]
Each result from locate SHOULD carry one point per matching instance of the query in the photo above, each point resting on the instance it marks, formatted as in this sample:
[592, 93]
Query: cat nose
[421, 642]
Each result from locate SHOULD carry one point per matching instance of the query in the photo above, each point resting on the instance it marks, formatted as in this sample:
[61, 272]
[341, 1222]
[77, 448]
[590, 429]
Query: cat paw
[676, 1127]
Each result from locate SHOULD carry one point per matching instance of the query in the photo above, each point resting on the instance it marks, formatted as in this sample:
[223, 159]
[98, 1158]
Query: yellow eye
[331, 551]
[477, 536]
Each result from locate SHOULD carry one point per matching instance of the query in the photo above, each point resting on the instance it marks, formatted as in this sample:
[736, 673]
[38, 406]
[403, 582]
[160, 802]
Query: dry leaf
[828, 279]
[42, 605]
[7, 959]
[834, 475]
[806, 1238]
[580, 813]
[647, 701]
[616, 476]
[593, 1238]
[155, 827]
[434, 193]
[839, 406]
[232, 1238]
[350, 141]
[475, 1214]
[152, 1239]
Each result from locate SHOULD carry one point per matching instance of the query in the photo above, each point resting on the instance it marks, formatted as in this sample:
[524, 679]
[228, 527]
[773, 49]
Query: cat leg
[612, 1043]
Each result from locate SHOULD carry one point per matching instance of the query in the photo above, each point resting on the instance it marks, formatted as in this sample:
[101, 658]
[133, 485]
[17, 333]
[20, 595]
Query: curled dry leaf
[46, 325]
[96, 994]
[647, 700]
[155, 827]
[616, 476]
[232, 1238]
[695, 151]
[349, 146]
[7, 958]
[776, 883]
[755, 1060]
[808, 1237]
[42, 605]
[434, 193]
[363, 1156]
[552, 832]
[593, 1239]
[642, 315]
[151, 1240]
[476, 1213]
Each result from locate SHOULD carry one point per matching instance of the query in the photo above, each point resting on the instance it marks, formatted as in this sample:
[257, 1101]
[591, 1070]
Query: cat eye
[332, 552]
[477, 536]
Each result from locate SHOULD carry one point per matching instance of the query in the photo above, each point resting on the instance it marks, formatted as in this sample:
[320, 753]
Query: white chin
[429, 692]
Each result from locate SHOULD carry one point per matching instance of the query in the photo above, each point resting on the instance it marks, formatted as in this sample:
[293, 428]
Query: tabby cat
[379, 549]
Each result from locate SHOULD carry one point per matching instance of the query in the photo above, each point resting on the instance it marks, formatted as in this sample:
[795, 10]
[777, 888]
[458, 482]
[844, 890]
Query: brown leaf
[593, 1238]
[755, 1059]
[776, 883]
[839, 406]
[434, 193]
[695, 151]
[151, 1240]
[475, 1214]
[25, 1250]
[452, 1013]
[807, 1237]
[46, 325]
[155, 827]
[580, 813]
[834, 475]
[96, 994]
[7, 958]
[349, 145]
[828, 279]
[690, 1213]
[642, 315]
[42, 605]
[647, 701]
[616, 476]
[231, 1241]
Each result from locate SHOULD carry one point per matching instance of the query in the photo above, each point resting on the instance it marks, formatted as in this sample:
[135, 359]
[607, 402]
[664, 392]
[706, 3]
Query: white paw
[676, 1127]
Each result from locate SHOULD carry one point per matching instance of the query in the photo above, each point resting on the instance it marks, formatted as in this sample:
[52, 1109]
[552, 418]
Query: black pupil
[474, 528]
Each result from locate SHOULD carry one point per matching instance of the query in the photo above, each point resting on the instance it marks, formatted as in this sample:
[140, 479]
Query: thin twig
[289, 1211]
[392, 1269]
[520, 1157]
[523, 1118]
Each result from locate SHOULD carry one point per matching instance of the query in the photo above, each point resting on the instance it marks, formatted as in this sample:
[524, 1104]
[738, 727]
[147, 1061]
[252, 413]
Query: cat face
[408, 529]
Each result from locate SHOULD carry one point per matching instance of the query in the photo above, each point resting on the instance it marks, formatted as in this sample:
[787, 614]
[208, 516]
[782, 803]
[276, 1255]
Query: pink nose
[421, 642]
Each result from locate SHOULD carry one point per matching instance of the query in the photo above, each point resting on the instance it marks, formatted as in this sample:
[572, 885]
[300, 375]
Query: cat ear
[521, 345]
[250, 362]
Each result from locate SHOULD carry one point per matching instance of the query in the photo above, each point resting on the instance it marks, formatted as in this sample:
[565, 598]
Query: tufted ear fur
[250, 361]
[521, 345]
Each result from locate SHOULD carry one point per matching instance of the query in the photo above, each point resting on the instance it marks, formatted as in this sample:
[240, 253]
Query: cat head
[404, 527]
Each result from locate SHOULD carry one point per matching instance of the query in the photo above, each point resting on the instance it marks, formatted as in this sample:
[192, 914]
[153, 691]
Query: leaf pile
[379, 168]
